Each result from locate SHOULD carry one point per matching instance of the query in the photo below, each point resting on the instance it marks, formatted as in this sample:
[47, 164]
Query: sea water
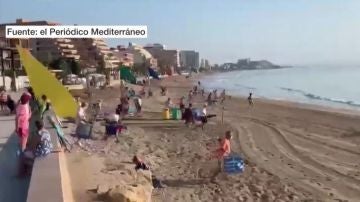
[328, 86]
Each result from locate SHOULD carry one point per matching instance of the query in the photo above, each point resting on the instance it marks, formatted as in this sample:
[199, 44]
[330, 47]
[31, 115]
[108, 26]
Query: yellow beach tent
[44, 83]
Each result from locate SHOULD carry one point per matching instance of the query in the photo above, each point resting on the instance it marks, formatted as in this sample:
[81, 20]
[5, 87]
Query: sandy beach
[293, 152]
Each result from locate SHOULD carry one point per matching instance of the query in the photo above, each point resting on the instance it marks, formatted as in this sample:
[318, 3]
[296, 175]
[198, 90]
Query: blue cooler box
[234, 164]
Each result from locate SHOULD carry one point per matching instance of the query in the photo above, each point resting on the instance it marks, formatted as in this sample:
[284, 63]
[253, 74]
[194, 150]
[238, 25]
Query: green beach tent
[127, 75]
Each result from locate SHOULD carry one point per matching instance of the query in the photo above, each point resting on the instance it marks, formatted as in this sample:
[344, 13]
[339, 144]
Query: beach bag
[111, 128]
[83, 130]
[176, 114]
[233, 164]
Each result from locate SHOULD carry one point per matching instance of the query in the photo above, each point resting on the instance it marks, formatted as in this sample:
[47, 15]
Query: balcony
[63, 40]
[76, 57]
[71, 51]
[104, 51]
[99, 45]
[63, 45]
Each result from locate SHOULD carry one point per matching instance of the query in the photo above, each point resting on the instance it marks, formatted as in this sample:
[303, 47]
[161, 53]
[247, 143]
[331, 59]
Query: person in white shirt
[168, 103]
[204, 111]
[138, 102]
[81, 115]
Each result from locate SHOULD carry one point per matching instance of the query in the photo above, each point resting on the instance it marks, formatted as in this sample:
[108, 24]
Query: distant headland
[247, 64]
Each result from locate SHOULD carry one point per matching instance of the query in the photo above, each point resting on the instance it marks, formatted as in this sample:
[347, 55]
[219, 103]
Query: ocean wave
[247, 87]
[318, 97]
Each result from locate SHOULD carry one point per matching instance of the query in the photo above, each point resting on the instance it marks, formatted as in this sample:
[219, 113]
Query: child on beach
[140, 165]
[44, 105]
[223, 151]
[41, 147]
[44, 144]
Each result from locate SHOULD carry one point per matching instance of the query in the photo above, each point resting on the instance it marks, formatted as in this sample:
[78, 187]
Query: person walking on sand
[190, 96]
[23, 115]
[168, 103]
[81, 114]
[182, 103]
[223, 96]
[188, 115]
[215, 94]
[138, 104]
[250, 100]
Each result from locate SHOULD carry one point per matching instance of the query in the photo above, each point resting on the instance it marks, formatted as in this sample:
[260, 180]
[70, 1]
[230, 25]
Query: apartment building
[93, 52]
[168, 60]
[90, 53]
[45, 50]
[125, 56]
[189, 59]
[142, 57]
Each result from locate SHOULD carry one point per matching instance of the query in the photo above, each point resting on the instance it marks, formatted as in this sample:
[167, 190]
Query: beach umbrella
[45, 83]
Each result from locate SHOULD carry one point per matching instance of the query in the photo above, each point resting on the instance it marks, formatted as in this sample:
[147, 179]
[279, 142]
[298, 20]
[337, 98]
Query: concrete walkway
[11, 188]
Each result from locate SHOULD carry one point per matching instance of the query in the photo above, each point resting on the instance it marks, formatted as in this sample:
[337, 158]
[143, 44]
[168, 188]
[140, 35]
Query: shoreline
[282, 102]
[315, 104]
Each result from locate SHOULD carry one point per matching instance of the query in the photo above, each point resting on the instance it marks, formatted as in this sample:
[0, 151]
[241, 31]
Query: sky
[301, 32]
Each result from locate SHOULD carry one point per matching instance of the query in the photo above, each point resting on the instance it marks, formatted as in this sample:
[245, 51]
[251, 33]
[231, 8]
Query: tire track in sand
[300, 160]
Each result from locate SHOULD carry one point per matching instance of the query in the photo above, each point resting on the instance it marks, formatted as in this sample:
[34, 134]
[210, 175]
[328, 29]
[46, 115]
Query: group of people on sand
[31, 145]
[191, 115]
[124, 106]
